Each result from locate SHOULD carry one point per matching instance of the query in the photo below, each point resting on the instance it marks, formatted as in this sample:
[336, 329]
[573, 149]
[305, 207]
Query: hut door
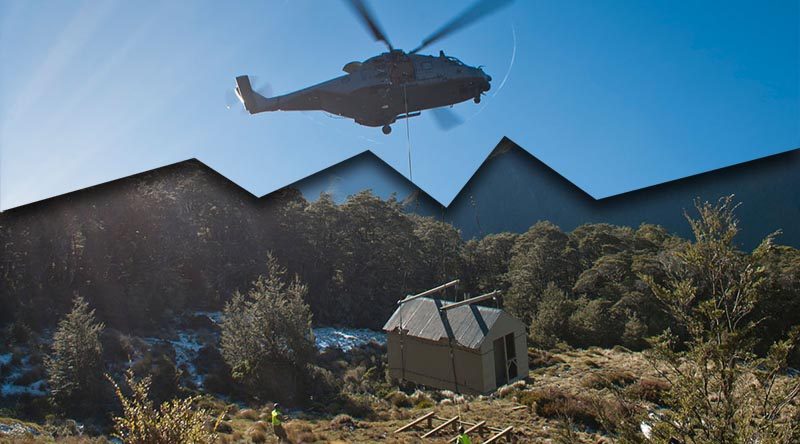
[500, 376]
[511, 356]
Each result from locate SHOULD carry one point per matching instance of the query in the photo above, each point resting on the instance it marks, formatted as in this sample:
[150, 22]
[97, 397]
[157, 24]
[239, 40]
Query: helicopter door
[402, 71]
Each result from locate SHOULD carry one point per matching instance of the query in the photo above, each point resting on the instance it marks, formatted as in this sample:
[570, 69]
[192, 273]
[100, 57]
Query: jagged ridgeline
[182, 237]
[512, 190]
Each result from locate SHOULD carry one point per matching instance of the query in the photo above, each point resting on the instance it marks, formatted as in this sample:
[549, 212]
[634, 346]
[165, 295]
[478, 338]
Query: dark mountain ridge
[512, 190]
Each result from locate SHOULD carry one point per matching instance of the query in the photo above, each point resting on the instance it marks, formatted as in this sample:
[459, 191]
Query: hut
[459, 346]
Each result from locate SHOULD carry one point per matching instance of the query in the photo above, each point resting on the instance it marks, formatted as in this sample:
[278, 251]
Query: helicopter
[390, 86]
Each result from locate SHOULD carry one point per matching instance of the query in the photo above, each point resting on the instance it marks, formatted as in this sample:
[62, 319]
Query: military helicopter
[391, 86]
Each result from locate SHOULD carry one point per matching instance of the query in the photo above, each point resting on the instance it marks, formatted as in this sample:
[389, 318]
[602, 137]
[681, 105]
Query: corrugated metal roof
[467, 325]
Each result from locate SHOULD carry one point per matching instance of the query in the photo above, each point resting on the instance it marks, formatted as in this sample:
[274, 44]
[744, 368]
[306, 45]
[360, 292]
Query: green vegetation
[266, 335]
[720, 390]
[718, 325]
[173, 422]
[75, 366]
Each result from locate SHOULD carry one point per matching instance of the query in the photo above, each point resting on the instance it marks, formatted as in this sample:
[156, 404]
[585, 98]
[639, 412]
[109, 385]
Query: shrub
[550, 324]
[162, 372]
[590, 323]
[257, 436]
[718, 386]
[608, 379]
[266, 334]
[173, 422]
[249, 414]
[116, 346]
[510, 389]
[398, 399]
[648, 389]
[343, 422]
[75, 365]
[356, 406]
[635, 332]
[540, 358]
[421, 400]
[300, 433]
[554, 403]
[424, 403]
[321, 384]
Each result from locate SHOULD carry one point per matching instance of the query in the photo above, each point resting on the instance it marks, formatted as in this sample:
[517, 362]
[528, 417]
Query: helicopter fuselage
[380, 90]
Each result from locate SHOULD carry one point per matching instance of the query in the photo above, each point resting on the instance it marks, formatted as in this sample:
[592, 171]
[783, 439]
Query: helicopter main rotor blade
[478, 10]
[369, 21]
[446, 119]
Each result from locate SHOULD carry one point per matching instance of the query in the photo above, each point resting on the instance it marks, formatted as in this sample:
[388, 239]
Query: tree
[541, 255]
[379, 261]
[720, 390]
[592, 324]
[596, 240]
[780, 306]
[266, 334]
[440, 246]
[486, 262]
[551, 324]
[75, 366]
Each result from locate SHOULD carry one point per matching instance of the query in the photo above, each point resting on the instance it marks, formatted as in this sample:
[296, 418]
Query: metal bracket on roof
[469, 301]
[428, 292]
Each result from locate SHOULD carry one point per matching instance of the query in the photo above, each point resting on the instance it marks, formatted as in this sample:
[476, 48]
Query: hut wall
[503, 327]
[429, 363]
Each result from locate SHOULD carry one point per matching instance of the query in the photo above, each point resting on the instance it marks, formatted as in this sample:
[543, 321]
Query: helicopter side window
[426, 66]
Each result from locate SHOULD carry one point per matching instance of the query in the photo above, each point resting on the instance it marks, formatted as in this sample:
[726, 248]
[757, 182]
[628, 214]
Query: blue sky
[615, 95]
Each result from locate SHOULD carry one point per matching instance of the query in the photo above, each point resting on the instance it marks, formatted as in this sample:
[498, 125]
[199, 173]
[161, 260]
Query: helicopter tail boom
[253, 102]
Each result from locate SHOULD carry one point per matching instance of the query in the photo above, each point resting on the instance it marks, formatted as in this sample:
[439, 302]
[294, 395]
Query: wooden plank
[497, 437]
[427, 292]
[471, 300]
[489, 428]
[441, 426]
[470, 430]
[414, 422]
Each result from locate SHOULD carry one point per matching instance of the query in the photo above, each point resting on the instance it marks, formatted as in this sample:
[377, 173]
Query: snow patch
[36, 388]
[186, 347]
[8, 385]
[17, 429]
[215, 316]
[346, 338]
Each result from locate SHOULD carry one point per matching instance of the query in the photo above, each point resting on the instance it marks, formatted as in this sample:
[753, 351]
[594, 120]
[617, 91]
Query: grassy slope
[579, 374]
[576, 373]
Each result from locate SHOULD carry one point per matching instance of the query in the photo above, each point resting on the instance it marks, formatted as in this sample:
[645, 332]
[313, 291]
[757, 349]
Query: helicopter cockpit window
[455, 61]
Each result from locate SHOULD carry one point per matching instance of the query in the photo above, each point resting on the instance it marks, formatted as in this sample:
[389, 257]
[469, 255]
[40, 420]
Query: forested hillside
[181, 238]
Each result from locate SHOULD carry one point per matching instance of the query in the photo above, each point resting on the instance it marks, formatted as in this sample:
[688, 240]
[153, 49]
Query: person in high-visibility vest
[463, 438]
[277, 425]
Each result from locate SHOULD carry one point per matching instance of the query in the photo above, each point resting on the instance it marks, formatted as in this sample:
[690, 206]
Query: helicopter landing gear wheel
[477, 99]
[386, 129]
